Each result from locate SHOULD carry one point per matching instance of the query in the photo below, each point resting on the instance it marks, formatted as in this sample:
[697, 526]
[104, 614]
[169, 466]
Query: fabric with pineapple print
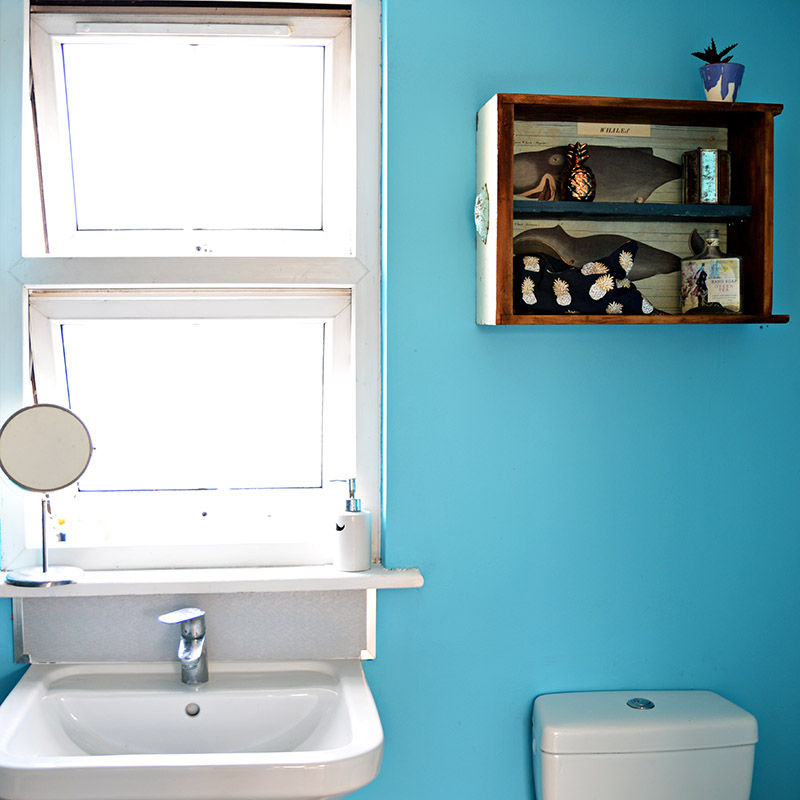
[543, 284]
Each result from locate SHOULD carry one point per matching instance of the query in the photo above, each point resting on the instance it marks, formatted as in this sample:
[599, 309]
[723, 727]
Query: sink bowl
[301, 730]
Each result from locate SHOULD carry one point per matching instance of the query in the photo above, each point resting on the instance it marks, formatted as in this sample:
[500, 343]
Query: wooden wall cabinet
[744, 129]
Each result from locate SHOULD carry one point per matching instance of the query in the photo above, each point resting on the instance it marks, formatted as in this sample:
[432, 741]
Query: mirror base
[36, 576]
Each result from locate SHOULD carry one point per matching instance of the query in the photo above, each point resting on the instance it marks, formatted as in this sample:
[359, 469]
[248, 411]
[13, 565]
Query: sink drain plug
[193, 709]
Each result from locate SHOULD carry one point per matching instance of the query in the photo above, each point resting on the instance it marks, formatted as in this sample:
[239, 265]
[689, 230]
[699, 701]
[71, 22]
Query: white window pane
[172, 135]
[184, 404]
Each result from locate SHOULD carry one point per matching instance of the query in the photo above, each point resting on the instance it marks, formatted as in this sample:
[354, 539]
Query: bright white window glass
[231, 138]
[212, 404]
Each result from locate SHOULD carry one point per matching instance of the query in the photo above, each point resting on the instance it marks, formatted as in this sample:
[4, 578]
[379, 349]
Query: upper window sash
[335, 236]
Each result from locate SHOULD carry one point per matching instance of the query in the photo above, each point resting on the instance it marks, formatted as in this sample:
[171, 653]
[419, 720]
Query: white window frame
[58, 210]
[25, 267]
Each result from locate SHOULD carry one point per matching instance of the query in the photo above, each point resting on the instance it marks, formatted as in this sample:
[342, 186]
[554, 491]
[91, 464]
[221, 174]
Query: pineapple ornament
[577, 180]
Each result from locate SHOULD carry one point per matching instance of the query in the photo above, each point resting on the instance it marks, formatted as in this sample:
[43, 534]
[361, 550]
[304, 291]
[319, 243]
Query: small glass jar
[706, 176]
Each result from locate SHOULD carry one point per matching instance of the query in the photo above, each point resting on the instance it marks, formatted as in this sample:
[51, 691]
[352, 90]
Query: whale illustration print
[579, 250]
[623, 174]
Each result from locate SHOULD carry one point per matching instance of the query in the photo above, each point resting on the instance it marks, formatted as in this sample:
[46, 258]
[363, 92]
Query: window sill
[223, 581]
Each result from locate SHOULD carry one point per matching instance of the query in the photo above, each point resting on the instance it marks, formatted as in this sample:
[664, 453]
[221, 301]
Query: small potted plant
[721, 76]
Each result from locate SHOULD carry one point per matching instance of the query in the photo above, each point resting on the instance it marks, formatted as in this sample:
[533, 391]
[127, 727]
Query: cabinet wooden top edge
[577, 102]
[635, 319]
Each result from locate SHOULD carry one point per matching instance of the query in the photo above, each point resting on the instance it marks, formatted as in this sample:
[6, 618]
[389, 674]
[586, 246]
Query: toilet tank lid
[603, 722]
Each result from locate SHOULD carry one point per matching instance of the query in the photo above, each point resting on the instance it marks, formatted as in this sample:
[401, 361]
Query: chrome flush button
[641, 703]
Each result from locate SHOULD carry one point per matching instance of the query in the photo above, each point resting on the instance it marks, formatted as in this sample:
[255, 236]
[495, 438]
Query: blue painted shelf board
[693, 212]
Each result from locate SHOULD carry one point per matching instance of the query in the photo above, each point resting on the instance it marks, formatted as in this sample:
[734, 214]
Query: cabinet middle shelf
[676, 212]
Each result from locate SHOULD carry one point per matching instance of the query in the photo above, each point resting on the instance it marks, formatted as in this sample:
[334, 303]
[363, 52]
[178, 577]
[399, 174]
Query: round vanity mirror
[44, 448]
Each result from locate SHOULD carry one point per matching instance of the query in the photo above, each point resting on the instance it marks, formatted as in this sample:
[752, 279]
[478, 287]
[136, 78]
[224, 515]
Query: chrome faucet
[191, 649]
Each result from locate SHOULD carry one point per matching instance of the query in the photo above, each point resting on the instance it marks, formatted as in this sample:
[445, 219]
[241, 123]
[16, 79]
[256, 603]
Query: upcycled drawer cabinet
[639, 143]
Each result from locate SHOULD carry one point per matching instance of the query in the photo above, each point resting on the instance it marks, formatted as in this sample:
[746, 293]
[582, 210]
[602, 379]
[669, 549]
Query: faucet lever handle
[192, 620]
[181, 615]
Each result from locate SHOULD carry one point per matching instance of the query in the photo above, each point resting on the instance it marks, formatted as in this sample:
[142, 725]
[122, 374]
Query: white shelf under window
[223, 581]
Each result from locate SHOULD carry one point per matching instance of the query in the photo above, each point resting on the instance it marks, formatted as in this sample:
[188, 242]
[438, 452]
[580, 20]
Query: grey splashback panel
[257, 626]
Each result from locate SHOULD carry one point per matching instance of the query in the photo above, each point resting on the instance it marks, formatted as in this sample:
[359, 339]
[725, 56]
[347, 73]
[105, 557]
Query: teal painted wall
[9, 672]
[577, 526]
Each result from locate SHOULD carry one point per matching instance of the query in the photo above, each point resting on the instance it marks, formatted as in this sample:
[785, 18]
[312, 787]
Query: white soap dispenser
[353, 549]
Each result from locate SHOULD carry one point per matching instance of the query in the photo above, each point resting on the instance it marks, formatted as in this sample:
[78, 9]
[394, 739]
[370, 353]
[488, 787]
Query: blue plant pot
[722, 81]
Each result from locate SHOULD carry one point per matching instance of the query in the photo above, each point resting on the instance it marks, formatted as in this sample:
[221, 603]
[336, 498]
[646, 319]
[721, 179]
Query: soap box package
[711, 280]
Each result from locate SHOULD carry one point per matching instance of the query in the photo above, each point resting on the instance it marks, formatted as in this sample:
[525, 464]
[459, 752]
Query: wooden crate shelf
[744, 129]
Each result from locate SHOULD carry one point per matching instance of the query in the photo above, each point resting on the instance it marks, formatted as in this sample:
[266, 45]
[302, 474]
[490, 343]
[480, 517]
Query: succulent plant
[711, 56]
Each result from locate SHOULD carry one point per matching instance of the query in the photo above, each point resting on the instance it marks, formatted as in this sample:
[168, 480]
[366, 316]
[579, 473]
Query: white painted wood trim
[486, 257]
[366, 88]
[223, 581]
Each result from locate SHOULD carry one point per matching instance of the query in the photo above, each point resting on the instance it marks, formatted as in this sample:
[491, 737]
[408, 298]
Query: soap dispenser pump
[353, 549]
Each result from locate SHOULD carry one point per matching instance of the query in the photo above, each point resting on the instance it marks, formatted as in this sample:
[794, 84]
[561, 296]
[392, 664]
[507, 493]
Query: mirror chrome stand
[44, 575]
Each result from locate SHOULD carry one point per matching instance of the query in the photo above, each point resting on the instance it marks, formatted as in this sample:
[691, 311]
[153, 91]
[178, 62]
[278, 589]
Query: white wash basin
[275, 730]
